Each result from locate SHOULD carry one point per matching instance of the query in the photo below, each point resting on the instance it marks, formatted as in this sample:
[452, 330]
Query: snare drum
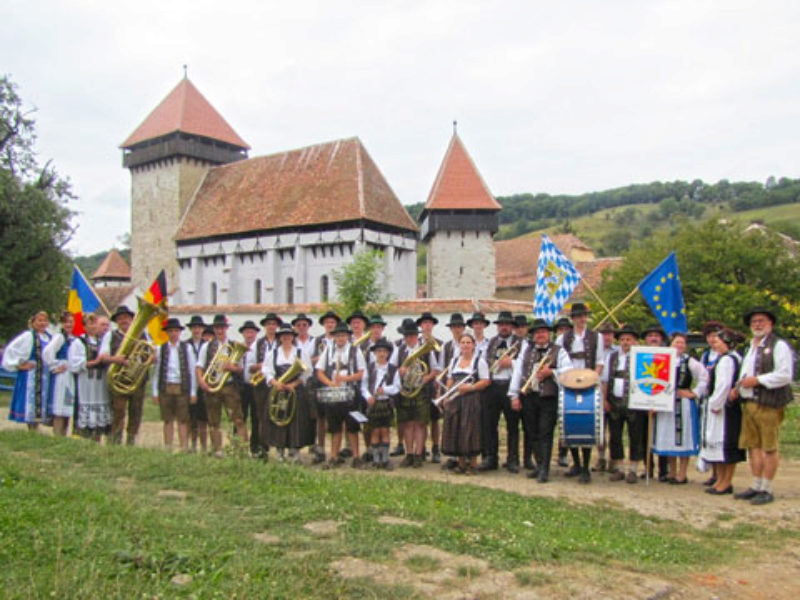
[335, 395]
[580, 409]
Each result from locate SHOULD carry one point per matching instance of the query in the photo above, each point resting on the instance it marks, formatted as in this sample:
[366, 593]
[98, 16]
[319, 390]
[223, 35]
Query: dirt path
[686, 503]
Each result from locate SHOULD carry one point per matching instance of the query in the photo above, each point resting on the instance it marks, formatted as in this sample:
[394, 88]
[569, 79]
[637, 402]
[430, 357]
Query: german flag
[157, 294]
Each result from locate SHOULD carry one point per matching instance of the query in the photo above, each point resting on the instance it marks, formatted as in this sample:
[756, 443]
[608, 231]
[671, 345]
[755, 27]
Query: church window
[323, 286]
[257, 291]
[290, 290]
[460, 271]
[213, 294]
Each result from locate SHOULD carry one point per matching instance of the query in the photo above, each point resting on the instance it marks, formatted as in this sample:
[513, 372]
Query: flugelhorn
[125, 379]
[283, 403]
[533, 380]
[417, 369]
[215, 375]
[510, 352]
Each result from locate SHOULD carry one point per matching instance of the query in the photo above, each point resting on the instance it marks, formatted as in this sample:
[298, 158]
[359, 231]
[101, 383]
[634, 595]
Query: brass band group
[563, 388]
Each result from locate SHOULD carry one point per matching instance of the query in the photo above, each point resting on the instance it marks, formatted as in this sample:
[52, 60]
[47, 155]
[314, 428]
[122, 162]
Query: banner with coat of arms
[652, 378]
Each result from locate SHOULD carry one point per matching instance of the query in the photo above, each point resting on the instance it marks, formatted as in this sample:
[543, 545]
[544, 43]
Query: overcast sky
[557, 97]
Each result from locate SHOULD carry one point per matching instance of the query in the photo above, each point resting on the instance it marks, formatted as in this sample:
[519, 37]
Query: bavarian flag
[157, 294]
[662, 291]
[82, 299]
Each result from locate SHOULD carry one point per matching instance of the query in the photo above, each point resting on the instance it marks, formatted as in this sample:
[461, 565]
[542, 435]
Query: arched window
[323, 286]
[213, 294]
[257, 291]
[290, 290]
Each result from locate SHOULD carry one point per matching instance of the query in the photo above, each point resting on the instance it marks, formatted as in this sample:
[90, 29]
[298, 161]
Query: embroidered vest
[183, 362]
[765, 363]
[589, 352]
[497, 346]
[531, 359]
[616, 373]
[372, 375]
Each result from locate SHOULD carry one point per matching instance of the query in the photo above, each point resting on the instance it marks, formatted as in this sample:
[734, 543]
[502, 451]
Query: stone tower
[168, 156]
[459, 221]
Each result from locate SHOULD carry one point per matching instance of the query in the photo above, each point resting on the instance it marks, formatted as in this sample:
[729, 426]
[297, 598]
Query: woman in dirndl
[300, 430]
[62, 382]
[88, 364]
[722, 418]
[461, 434]
[24, 356]
[676, 434]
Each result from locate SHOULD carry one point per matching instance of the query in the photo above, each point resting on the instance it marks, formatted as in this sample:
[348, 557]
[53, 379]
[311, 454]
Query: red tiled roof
[327, 183]
[185, 109]
[112, 296]
[458, 184]
[516, 259]
[403, 307]
[113, 267]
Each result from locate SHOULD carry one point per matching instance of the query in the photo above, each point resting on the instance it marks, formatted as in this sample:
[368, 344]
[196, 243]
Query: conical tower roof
[186, 110]
[113, 267]
[459, 185]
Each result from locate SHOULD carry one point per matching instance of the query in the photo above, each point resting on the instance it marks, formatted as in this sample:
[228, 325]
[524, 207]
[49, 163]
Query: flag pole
[99, 299]
[600, 300]
[649, 456]
[617, 307]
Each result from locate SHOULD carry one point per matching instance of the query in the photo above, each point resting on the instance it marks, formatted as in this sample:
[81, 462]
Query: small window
[323, 286]
[213, 294]
[290, 290]
[257, 291]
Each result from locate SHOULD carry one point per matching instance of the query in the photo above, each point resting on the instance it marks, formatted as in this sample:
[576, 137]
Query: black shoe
[319, 457]
[573, 471]
[663, 478]
[543, 476]
[683, 481]
[710, 481]
[488, 465]
[367, 456]
[585, 477]
[450, 464]
[562, 461]
[748, 494]
[345, 453]
[399, 450]
[762, 498]
[715, 492]
[529, 465]
[436, 456]
[513, 468]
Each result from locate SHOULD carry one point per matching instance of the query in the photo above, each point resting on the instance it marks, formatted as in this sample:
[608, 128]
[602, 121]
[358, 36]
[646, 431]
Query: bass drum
[580, 412]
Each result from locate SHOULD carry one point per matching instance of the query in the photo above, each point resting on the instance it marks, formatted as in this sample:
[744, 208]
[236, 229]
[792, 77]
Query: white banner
[652, 378]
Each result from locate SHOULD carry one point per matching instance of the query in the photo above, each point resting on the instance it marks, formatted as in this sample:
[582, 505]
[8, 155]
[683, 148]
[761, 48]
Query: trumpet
[511, 352]
[283, 403]
[532, 384]
[453, 391]
[124, 379]
[417, 369]
[441, 377]
[215, 375]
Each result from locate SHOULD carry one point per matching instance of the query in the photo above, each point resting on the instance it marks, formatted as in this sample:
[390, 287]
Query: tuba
[283, 403]
[215, 375]
[125, 379]
[417, 369]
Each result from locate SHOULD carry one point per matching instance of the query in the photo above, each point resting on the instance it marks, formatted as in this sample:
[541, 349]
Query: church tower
[168, 156]
[459, 221]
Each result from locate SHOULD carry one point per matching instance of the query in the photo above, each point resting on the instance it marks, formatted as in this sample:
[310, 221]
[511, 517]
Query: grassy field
[82, 520]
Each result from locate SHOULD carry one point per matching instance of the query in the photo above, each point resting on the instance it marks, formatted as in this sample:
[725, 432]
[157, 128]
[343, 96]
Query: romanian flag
[157, 294]
[81, 300]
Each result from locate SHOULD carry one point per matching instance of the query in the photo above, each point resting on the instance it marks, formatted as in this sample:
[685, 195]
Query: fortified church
[236, 233]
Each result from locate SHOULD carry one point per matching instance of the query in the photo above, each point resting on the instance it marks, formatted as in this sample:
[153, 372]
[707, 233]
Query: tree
[360, 284]
[34, 221]
[724, 271]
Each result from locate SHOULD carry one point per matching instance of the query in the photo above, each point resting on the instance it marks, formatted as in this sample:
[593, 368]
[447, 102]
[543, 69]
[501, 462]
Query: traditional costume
[461, 433]
[722, 419]
[677, 433]
[62, 385]
[94, 410]
[31, 389]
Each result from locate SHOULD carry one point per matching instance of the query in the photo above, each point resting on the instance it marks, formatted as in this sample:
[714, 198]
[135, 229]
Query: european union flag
[662, 291]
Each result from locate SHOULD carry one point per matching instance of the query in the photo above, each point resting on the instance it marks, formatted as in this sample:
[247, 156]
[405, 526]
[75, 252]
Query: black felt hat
[655, 328]
[456, 320]
[562, 322]
[220, 321]
[271, 317]
[122, 310]
[626, 329]
[382, 343]
[302, 317]
[760, 310]
[341, 327]
[504, 316]
[172, 323]
[521, 321]
[408, 327]
[330, 315]
[376, 320]
[477, 316]
[427, 316]
[357, 315]
[248, 325]
[539, 324]
[196, 320]
[284, 329]
[578, 309]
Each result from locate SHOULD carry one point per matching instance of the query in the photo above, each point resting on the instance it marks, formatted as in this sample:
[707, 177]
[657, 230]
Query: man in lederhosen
[329, 321]
[251, 366]
[175, 384]
[426, 323]
[133, 402]
[538, 400]
[198, 417]
[450, 350]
